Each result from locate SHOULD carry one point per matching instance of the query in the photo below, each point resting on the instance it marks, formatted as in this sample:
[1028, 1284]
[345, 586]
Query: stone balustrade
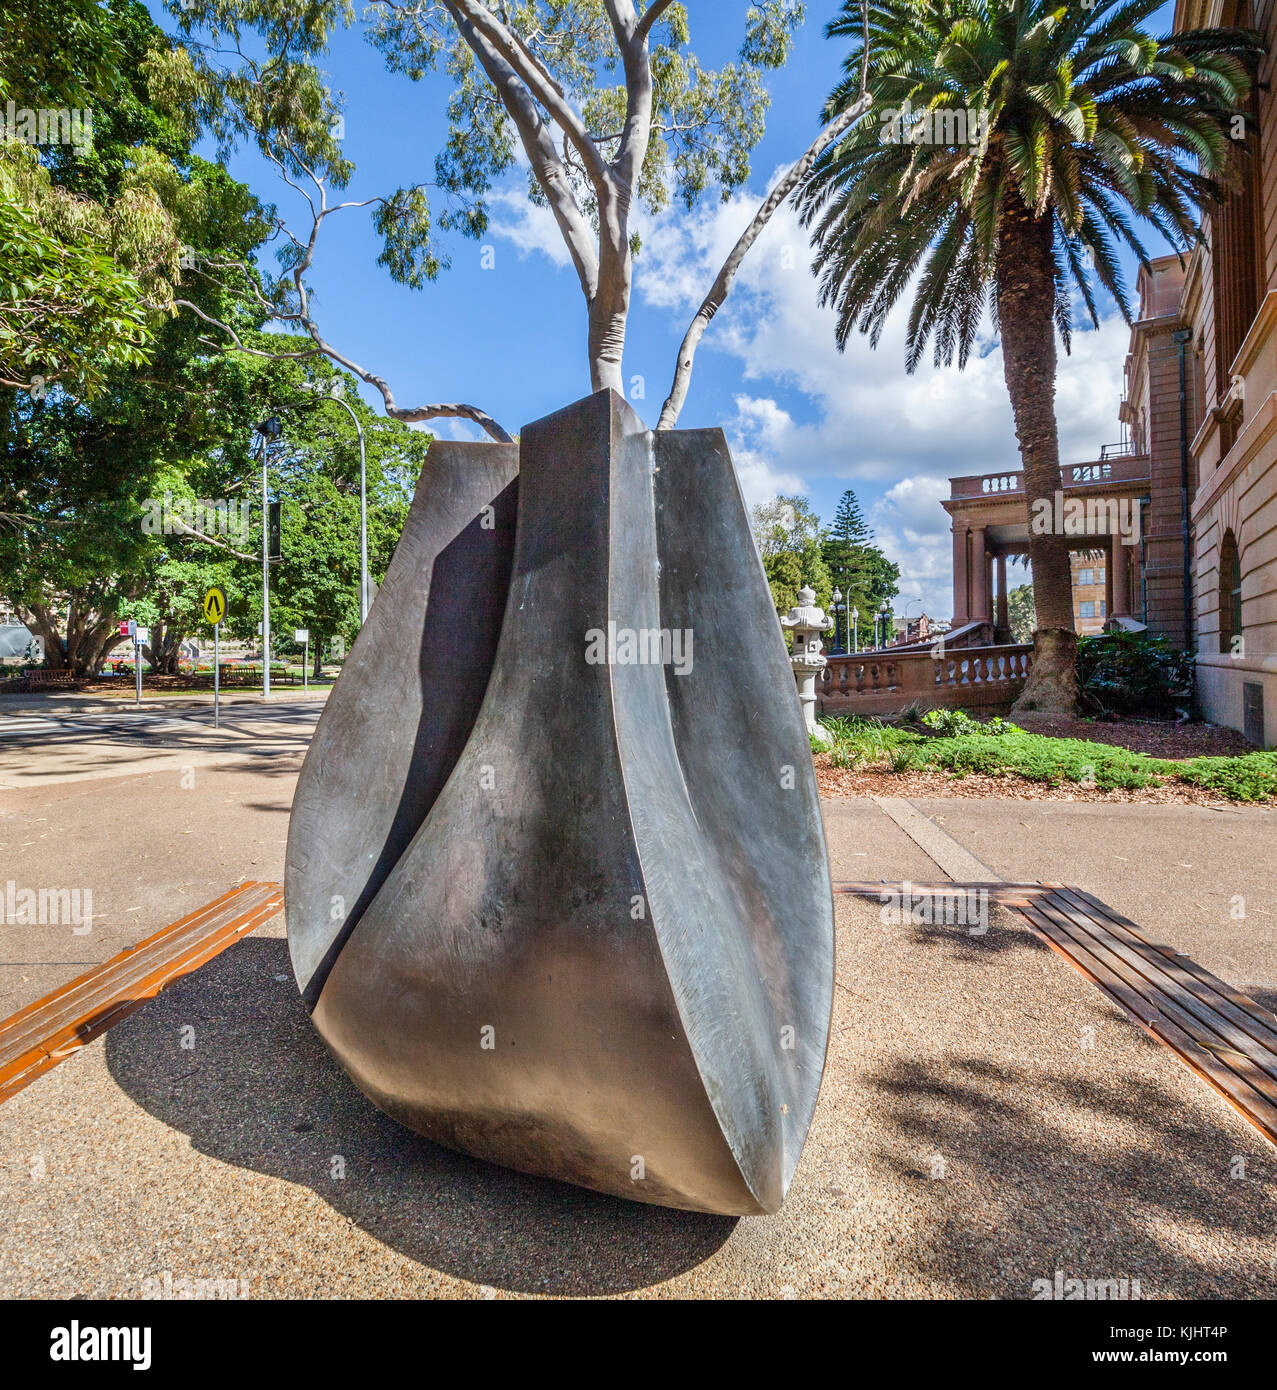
[987, 679]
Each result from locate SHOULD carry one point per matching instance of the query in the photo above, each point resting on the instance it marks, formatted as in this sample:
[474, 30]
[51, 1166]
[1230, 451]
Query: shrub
[1252, 777]
[1133, 673]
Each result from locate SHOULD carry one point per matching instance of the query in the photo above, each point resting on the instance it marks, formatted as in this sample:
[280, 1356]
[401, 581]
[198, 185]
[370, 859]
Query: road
[150, 813]
[242, 723]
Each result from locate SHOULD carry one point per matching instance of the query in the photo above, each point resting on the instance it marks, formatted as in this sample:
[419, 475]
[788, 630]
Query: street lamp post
[855, 631]
[886, 614]
[268, 429]
[839, 608]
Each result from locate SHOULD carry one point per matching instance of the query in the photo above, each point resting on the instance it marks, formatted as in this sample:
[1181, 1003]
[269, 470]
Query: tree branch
[538, 145]
[653, 12]
[407, 415]
[721, 288]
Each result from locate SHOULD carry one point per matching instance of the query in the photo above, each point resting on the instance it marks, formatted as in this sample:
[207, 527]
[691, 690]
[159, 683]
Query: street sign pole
[306, 667]
[214, 612]
[137, 664]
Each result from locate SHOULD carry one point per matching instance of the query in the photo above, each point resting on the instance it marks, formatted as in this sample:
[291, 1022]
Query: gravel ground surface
[247, 1155]
[973, 1135]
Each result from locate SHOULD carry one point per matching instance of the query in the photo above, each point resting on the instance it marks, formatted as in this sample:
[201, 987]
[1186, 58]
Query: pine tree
[849, 524]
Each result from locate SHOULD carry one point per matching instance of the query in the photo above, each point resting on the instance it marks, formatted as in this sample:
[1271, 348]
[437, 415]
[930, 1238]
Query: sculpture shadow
[261, 1091]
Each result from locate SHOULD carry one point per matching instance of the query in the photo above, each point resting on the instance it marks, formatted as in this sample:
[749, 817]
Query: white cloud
[531, 228]
[897, 437]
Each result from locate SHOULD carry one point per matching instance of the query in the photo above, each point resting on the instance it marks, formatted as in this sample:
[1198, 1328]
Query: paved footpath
[987, 1117]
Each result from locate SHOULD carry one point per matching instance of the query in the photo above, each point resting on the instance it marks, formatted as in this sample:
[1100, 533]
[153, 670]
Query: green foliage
[996, 748]
[69, 311]
[788, 535]
[1073, 111]
[1252, 777]
[1134, 673]
[91, 231]
[958, 723]
[797, 550]
[1022, 613]
[1050, 760]
[858, 567]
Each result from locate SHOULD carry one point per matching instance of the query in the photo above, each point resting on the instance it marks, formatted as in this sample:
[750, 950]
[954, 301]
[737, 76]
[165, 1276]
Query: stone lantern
[808, 624]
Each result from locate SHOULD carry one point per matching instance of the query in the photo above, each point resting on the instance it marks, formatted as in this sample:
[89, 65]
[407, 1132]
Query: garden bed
[1068, 760]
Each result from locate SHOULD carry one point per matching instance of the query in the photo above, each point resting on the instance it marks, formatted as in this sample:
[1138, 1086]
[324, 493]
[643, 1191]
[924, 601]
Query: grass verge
[950, 741]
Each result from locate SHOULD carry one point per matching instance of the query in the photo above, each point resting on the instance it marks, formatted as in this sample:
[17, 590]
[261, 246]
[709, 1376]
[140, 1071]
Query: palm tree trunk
[1026, 317]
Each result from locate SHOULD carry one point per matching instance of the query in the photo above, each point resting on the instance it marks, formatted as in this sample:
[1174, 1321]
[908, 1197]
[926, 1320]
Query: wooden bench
[45, 1033]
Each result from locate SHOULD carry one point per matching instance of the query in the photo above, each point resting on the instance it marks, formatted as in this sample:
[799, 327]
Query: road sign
[124, 627]
[141, 635]
[131, 629]
[214, 606]
[301, 635]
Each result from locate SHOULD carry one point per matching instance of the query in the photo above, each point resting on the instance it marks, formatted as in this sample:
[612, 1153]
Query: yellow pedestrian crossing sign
[214, 606]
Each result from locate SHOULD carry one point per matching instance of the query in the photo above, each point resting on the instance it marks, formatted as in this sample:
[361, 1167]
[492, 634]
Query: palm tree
[1018, 145]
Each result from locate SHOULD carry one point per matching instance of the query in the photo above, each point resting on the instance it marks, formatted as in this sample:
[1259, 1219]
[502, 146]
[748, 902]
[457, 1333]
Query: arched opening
[1230, 593]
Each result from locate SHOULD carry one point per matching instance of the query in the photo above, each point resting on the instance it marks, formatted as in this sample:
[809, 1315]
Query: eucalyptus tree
[1077, 125]
[608, 106]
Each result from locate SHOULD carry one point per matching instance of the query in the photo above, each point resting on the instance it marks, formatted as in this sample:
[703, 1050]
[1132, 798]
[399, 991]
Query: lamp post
[267, 430]
[886, 614]
[839, 608]
[855, 631]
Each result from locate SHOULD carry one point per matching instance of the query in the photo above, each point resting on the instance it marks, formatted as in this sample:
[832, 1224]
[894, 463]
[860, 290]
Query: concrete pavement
[987, 1118]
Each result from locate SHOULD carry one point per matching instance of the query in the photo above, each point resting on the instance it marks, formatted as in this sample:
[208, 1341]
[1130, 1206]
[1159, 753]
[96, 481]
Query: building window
[1088, 609]
[1099, 576]
[1230, 593]
[1086, 576]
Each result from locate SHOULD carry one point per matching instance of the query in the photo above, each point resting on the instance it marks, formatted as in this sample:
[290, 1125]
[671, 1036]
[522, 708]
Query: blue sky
[800, 416]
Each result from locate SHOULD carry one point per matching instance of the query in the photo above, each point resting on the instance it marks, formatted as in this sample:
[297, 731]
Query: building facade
[1201, 382]
[1197, 469]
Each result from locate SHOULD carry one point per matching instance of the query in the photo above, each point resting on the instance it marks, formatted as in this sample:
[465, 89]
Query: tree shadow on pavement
[1106, 1175]
[261, 1091]
[980, 929]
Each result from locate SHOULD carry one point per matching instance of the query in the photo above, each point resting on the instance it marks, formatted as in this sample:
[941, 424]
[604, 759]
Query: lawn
[952, 742]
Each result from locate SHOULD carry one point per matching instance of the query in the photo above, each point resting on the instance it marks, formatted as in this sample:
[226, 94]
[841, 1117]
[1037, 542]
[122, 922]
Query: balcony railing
[1109, 469]
[876, 682]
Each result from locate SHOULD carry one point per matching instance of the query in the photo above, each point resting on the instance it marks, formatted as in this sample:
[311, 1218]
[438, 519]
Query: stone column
[961, 589]
[979, 577]
[1004, 607]
[1119, 579]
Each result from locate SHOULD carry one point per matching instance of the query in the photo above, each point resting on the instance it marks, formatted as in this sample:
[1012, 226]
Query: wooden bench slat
[51, 1029]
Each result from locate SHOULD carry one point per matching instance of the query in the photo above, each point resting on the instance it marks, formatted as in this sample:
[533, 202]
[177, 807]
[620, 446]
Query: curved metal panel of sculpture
[605, 953]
